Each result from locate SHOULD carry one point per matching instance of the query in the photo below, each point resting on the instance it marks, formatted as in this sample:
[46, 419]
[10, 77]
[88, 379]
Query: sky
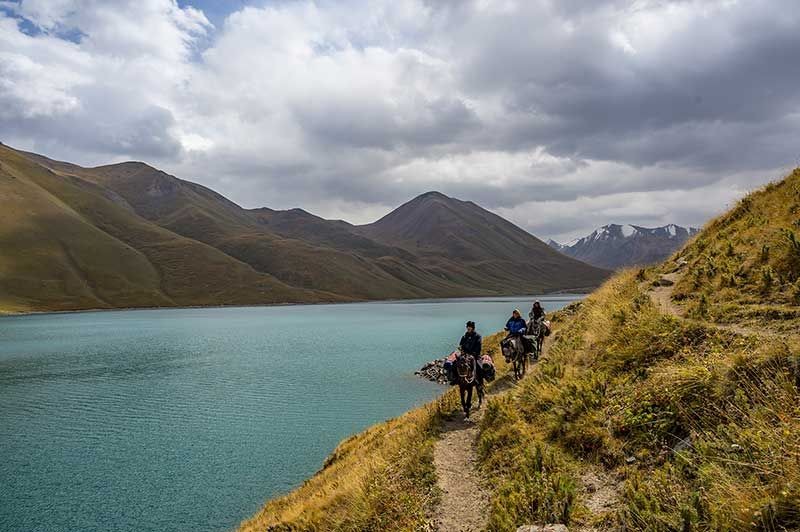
[560, 115]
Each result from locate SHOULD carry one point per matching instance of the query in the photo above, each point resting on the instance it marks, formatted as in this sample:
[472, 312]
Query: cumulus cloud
[559, 115]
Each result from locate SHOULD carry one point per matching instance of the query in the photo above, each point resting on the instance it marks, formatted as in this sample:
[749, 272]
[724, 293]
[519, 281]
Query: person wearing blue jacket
[516, 324]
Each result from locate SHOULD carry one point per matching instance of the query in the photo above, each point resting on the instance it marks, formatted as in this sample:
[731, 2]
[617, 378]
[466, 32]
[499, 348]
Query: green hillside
[130, 235]
[669, 399]
[70, 244]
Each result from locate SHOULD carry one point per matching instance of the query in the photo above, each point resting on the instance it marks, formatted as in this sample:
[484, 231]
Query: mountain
[469, 244]
[617, 246]
[68, 243]
[130, 235]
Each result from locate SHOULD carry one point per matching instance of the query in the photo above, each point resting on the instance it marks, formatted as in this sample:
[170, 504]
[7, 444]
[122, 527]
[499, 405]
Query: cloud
[560, 115]
[109, 95]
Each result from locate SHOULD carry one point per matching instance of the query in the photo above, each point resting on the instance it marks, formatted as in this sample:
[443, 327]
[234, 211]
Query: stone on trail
[543, 528]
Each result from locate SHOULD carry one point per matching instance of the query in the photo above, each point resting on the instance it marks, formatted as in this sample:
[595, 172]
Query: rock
[736, 447]
[682, 445]
[663, 281]
[630, 460]
[433, 371]
[542, 528]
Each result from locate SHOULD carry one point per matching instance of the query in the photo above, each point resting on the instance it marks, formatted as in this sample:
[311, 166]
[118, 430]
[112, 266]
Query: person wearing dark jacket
[537, 312]
[470, 343]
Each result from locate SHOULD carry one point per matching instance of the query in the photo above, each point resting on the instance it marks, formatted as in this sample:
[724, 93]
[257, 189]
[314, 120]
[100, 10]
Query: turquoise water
[189, 419]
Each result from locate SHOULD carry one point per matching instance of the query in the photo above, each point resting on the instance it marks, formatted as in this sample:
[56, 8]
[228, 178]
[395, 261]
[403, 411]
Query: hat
[471, 324]
[517, 311]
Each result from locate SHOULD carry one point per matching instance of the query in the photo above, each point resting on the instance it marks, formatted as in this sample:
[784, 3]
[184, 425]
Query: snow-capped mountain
[616, 246]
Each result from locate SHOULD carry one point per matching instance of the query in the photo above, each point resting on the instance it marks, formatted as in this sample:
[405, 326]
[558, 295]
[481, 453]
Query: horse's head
[506, 349]
[465, 366]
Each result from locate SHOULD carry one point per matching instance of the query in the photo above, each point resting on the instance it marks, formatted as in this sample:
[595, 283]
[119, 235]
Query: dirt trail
[602, 495]
[465, 504]
[662, 297]
[465, 501]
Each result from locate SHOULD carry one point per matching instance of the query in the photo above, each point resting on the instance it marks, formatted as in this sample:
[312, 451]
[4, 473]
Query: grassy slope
[194, 247]
[297, 248]
[744, 266]
[70, 244]
[475, 247]
[697, 427]
[711, 415]
[53, 254]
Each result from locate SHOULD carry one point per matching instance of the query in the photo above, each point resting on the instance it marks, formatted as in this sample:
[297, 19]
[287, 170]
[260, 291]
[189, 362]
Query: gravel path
[465, 504]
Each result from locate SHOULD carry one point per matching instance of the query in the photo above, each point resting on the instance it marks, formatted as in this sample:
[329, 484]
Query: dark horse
[536, 329]
[514, 350]
[467, 372]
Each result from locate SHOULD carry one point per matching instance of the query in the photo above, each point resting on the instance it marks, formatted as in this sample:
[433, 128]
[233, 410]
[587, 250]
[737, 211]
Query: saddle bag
[547, 327]
[487, 368]
[449, 366]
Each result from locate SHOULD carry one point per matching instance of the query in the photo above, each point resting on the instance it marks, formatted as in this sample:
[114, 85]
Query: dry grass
[710, 419]
[66, 245]
[381, 479]
[745, 266]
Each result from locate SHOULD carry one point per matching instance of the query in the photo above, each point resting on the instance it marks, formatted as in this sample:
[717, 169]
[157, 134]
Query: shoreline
[567, 292]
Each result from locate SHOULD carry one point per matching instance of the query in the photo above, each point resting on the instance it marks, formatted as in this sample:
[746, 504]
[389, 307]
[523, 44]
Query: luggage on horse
[546, 327]
[449, 366]
[487, 368]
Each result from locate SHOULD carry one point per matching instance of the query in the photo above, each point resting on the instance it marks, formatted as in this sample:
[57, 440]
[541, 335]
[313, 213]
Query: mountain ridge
[301, 257]
[615, 246]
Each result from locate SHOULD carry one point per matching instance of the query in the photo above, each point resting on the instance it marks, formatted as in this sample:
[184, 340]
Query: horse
[514, 350]
[467, 374]
[536, 329]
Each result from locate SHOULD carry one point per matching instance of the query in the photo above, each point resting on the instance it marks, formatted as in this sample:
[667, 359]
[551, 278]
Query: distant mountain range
[617, 246]
[130, 235]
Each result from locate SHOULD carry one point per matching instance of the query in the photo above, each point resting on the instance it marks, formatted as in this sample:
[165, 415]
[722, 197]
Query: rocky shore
[433, 371]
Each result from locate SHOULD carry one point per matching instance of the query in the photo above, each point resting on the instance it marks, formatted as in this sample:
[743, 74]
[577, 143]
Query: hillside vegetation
[70, 244]
[130, 235]
[745, 267]
[643, 414]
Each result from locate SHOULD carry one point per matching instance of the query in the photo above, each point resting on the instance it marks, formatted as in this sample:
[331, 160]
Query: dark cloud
[582, 112]
[385, 125]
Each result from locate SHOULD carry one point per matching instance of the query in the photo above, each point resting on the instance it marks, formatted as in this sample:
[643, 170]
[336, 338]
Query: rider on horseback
[516, 326]
[537, 328]
[537, 312]
[470, 344]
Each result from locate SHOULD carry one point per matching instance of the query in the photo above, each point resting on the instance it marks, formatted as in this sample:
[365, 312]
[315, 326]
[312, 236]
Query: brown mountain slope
[201, 214]
[461, 236]
[67, 244]
[195, 239]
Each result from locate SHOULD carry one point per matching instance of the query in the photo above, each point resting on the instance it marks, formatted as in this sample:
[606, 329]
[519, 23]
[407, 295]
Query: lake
[189, 419]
